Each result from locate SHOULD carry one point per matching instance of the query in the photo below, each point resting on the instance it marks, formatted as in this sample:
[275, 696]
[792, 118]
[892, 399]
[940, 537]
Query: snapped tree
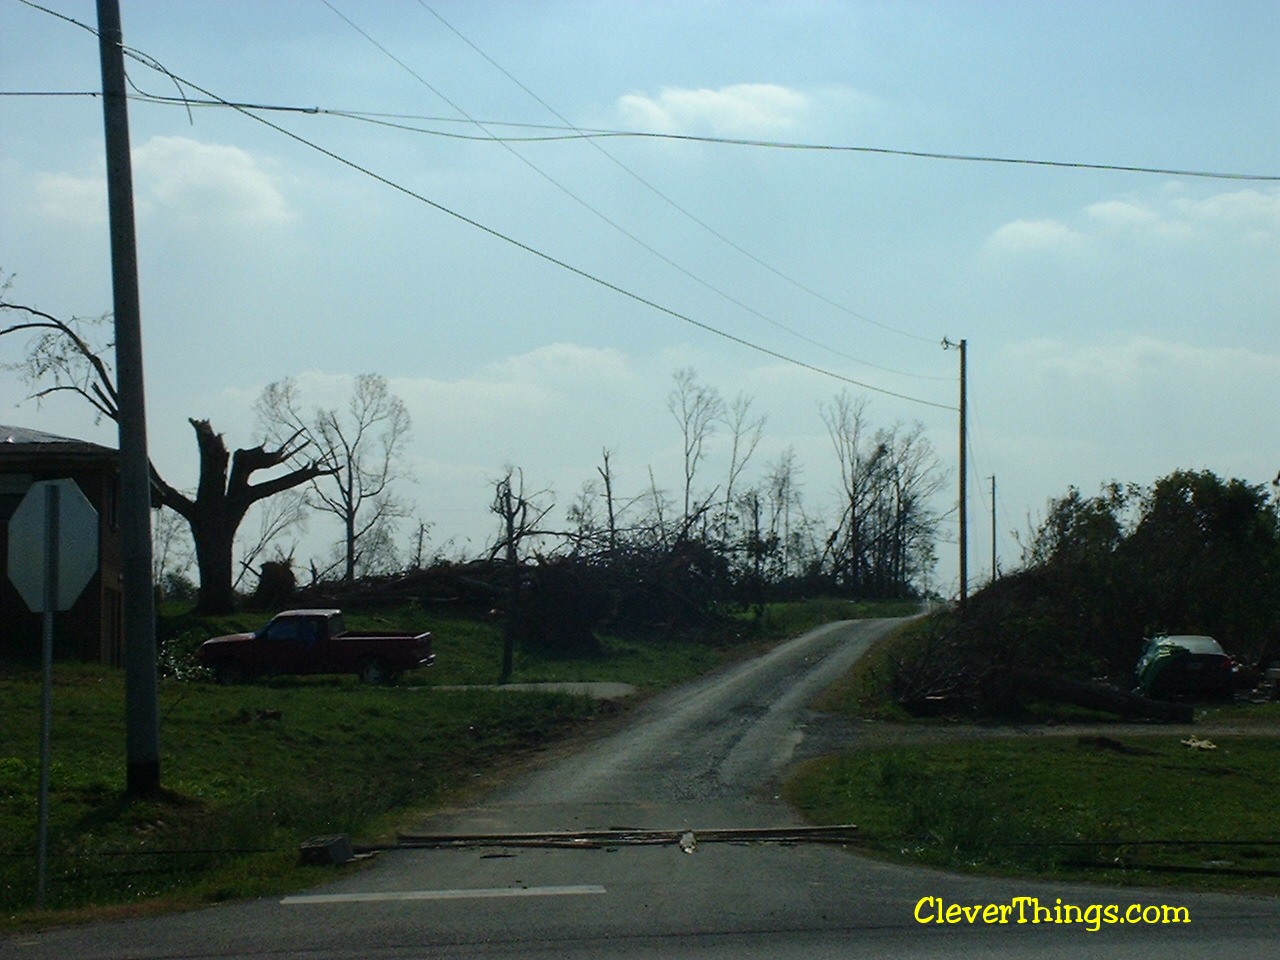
[61, 357]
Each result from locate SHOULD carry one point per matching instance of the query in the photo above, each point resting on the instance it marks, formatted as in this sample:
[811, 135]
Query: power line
[668, 200]
[724, 294]
[153, 64]
[588, 133]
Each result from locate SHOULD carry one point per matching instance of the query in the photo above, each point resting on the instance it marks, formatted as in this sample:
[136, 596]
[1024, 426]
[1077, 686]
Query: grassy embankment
[252, 771]
[1075, 804]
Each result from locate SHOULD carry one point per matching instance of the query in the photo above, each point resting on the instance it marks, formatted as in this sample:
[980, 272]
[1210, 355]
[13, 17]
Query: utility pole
[995, 566]
[964, 470]
[142, 750]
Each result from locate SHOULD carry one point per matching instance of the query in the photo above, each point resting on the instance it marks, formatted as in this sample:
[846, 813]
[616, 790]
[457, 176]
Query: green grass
[795, 617]
[250, 772]
[864, 691]
[1007, 806]
[1022, 806]
[469, 651]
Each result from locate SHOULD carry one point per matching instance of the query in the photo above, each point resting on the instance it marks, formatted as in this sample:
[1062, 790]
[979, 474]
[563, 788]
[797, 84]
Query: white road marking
[481, 893]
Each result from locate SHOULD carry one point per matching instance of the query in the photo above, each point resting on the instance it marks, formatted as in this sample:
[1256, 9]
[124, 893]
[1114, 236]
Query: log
[1096, 696]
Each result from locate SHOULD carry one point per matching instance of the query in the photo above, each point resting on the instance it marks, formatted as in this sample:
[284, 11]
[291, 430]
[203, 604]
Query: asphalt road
[703, 758]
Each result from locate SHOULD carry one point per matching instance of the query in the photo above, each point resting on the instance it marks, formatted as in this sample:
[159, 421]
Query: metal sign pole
[51, 536]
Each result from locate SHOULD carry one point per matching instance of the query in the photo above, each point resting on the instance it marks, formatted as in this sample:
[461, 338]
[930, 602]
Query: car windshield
[1202, 645]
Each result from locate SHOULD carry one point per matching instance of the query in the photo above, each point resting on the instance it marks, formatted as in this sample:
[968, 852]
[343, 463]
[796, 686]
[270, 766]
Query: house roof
[25, 444]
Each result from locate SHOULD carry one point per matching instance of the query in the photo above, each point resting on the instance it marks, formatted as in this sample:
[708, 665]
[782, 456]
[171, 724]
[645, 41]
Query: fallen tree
[1091, 694]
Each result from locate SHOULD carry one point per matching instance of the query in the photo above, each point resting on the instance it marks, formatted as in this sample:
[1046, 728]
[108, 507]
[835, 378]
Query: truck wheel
[229, 672]
[376, 672]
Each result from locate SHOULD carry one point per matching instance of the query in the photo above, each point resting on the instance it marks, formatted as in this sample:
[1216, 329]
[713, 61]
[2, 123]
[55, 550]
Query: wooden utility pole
[995, 566]
[964, 470]
[142, 750]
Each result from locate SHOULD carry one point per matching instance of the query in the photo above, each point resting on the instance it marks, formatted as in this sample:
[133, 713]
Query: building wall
[93, 627]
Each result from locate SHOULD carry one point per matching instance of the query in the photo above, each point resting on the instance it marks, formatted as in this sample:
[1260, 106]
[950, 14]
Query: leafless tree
[418, 545]
[172, 553]
[520, 516]
[606, 477]
[783, 495]
[360, 447]
[696, 408]
[887, 529]
[745, 431]
[846, 425]
[275, 517]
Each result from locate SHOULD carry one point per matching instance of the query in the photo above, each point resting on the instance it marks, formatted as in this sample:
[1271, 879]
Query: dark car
[1178, 666]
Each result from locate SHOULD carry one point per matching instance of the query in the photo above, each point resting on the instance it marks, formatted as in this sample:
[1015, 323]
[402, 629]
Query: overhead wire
[549, 258]
[589, 133]
[668, 200]
[718, 291]
[153, 64]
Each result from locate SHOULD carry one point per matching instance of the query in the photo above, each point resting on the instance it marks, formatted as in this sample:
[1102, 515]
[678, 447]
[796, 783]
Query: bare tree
[886, 533]
[361, 447]
[696, 408]
[61, 355]
[783, 494]
[846, 425]
[275, 517]
[418, 544]
[172, 554]
[915, 479]
[745, 431]
[606, 476]
[520, 515]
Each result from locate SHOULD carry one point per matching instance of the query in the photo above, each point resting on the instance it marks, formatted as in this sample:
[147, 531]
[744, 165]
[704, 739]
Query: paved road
[704, 757]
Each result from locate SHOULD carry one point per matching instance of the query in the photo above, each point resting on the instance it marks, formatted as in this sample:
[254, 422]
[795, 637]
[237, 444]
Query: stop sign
[77, 544]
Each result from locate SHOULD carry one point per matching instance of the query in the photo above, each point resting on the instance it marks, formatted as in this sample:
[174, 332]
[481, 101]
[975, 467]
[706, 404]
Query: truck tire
[230, 672]
[376, 672]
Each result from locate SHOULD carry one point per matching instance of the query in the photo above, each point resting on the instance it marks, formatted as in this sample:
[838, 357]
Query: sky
[530, 292]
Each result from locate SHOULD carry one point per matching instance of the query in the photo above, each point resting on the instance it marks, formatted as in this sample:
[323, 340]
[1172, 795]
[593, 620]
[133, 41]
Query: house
[93, 629]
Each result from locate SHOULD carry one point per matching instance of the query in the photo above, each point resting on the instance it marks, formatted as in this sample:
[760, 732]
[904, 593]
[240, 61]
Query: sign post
[53, 554]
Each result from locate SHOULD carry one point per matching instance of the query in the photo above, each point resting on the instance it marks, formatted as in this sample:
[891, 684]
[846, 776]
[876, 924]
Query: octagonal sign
[77, 543]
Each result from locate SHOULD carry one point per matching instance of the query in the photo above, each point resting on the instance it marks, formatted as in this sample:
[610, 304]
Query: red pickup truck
[314, 641]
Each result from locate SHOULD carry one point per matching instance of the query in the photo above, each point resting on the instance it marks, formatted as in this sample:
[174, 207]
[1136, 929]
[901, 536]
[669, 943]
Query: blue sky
[1120, 325]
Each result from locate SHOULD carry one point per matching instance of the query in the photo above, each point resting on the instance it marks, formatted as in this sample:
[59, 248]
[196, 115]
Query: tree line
[1191, 553]
[716, 539]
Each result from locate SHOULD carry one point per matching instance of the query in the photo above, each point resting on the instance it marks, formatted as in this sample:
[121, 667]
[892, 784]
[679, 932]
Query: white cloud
[1172, 217]
[1122, 214]
[65, 198]
[1033, 236]
[1254, 214]
[745, 109]
[1202, 404]
[563, 363]
[199, 183]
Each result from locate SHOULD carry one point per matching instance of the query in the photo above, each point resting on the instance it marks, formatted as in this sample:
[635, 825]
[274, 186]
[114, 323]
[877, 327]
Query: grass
[1060, 807]
[1057, 806]
[864, 691]
[252, 771]
[469, 650]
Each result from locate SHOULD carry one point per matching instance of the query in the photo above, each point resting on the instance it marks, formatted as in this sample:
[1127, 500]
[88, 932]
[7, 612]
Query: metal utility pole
[142, 748]
[964, 470]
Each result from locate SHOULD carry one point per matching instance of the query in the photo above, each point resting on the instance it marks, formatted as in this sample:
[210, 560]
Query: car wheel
[376, 672]
[229, 672]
